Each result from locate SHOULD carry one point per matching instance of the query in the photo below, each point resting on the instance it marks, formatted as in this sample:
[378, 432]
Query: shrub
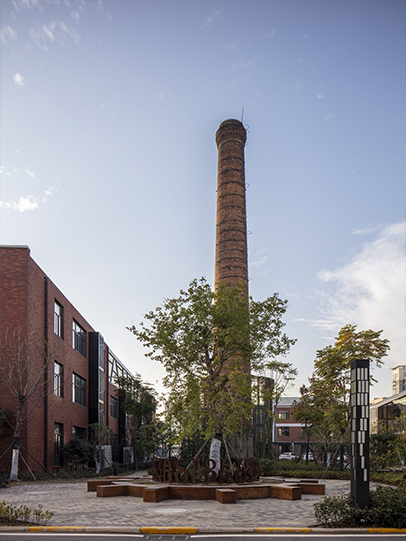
[11, 515]
[387, 509]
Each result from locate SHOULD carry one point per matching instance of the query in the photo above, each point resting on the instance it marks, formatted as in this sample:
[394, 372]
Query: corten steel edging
[158, 492]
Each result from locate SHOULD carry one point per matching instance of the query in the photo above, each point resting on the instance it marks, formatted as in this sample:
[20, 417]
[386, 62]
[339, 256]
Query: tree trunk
[16, 442]
[214, 454]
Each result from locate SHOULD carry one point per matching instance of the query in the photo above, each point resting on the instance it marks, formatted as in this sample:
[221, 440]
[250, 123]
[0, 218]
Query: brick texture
[27, 299]
[231, 265]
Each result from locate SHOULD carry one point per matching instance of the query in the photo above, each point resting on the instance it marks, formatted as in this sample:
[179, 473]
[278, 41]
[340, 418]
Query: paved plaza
[74, 506]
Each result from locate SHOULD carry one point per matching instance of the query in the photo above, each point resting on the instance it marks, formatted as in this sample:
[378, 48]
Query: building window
[58, 444]
[284, 414]
[58, 319]
[78, 432]
[283, 431]
[58, 379]
[78, 338]
[78, 390]
[113, 407]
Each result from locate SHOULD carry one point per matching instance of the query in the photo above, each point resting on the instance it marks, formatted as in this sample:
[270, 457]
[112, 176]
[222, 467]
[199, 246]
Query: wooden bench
[226, 495]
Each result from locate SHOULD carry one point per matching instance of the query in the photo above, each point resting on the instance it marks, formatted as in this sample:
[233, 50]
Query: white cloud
[353, 171]
[329, 115]
[19, 79]
[28, 203]
[370, 290]
[7, 34]
[30, 173]
[24, 203]
[75, 15]
[320, 96]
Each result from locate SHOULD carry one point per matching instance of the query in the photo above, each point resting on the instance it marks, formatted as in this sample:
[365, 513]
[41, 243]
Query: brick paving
[74, 506]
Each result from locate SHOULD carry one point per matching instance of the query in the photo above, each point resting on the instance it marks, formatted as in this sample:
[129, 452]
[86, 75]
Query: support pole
[359, 404]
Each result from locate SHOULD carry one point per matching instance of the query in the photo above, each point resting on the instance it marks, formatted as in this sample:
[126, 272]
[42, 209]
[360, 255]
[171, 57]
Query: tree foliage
[208, 342]
[332, 364]
[324, 404]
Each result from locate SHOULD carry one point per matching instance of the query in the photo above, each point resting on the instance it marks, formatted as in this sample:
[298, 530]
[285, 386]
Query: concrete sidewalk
[75, 507]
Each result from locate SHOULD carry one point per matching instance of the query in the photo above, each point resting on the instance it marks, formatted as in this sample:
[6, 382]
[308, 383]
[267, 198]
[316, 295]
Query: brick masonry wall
[13, 318]
[231, 261]
[27, 299]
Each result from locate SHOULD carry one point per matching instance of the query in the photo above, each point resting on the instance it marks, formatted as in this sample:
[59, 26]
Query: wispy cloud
[353, 171]
[165, 93]
[320, 96]
[367, 230]
[48, 193]
[54, 32]
[8, 172]
[369, 290]
[30, 173]
[18, 79]
[329, 115]
[210, 19]
[259, 262]
[271, 33]
[8, 34]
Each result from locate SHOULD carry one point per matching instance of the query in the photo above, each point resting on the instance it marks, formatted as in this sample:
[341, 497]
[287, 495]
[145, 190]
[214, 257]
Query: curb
[204, 530]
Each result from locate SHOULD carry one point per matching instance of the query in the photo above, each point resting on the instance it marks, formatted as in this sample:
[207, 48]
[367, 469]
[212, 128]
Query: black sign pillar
[359, 404]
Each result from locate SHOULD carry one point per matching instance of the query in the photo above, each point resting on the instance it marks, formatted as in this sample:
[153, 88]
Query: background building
[288, 433]
[78, 387]
[398, 379]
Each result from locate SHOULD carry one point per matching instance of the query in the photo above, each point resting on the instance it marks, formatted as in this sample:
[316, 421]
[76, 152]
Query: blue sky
[108, 160]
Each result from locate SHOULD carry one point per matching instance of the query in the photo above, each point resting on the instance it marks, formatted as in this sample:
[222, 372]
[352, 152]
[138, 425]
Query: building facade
[78, 382]
[398, 379]
[288, 433]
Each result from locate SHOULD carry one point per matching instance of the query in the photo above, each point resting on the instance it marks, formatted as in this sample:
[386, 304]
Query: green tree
[78, 451]
[208, 343]
[139, 402]
[333, 363]
[330, 385]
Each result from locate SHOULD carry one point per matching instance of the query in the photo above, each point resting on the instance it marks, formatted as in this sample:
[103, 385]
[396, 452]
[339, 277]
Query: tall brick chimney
[231, 264]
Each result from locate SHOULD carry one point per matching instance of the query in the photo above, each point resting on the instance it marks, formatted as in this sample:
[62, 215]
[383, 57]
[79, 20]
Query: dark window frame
[284, 432]
[58, 444]
[58, 319]
[78, 338]
[58, 379]
[113, 407]
[79, 432]
[78, 390]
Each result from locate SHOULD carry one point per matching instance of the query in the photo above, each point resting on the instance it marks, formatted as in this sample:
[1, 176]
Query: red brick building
[289, 437]
[78, 387]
